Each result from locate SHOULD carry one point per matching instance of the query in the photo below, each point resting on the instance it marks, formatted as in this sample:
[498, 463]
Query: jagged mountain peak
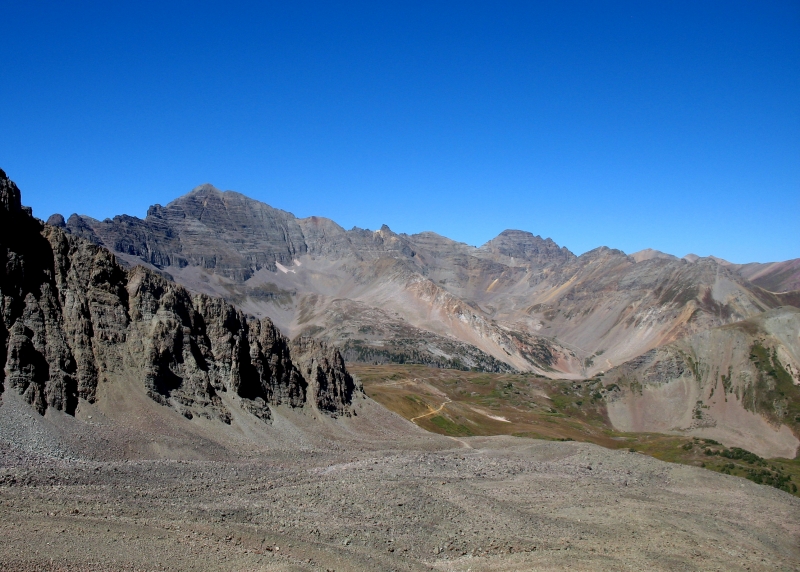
[524, 245]
[182, 349]
[207, 200]
[205, 189]
[10, 199]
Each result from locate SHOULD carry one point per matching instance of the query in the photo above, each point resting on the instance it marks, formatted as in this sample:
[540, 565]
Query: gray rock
[72, 317]
[56, 220]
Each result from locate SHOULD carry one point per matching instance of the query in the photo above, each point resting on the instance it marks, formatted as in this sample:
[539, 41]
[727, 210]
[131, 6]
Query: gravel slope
[368, 493]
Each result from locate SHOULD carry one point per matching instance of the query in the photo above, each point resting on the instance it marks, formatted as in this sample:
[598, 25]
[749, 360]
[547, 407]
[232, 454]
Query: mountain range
[174, 388]
[519, 302]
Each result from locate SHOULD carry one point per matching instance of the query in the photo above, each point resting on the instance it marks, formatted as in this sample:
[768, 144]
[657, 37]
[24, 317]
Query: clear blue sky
[672, 125]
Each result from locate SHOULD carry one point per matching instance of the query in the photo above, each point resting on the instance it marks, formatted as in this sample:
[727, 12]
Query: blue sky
[674, 126]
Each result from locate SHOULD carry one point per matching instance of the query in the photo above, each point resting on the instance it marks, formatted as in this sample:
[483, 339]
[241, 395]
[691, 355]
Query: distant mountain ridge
[519, 301]
[776, 277]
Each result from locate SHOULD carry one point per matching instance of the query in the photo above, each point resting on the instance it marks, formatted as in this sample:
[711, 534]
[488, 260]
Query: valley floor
[463, 403]
[481, 503]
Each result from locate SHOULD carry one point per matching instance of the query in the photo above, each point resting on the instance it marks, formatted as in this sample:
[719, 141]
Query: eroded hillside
[739, 384]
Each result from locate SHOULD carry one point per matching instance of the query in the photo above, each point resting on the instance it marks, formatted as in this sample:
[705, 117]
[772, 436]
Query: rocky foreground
[370, 492]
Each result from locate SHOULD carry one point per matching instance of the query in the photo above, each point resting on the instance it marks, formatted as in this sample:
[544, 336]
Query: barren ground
[371, 492]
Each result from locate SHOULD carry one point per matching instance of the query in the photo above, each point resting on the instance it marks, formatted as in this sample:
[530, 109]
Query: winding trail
[417, 380]
[463, 444]
[432, 411]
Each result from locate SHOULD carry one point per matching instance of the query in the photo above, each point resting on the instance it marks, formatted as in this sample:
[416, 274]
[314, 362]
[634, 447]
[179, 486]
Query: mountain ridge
[519, 299]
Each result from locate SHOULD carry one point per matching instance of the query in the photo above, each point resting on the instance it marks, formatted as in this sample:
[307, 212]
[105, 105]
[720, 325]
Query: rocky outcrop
[73, 318]
[322, 366]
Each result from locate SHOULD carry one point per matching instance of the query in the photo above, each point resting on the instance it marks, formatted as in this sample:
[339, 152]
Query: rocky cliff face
[225, 232]
[72, 317]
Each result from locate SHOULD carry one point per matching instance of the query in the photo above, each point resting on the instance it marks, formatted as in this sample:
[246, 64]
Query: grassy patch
[782, 474]
[451, 428]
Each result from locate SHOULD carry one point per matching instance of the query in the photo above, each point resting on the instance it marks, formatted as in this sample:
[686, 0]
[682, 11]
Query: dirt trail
[432, 411]
[433, 388]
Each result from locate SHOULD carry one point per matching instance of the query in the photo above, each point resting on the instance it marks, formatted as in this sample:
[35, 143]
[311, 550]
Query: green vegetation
[774, 393]
[450, 428]
[779, 480]
[562, 401]
[777, 473]
[768, 363]
[633, 384]
[726, 380]
[527, 405]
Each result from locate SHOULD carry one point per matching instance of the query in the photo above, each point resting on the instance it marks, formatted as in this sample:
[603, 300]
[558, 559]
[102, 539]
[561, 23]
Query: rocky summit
[73, 319]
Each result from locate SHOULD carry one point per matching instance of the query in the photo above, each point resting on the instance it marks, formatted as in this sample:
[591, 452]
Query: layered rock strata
[73, 318]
